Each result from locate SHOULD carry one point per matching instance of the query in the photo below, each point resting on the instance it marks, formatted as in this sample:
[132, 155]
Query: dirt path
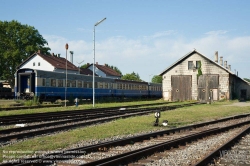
[240, 104]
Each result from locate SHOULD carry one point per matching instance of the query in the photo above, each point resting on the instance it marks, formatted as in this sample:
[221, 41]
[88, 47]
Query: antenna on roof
[79, 65]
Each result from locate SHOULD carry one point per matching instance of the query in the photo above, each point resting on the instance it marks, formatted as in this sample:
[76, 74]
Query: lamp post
[94, 60]
[66, 47]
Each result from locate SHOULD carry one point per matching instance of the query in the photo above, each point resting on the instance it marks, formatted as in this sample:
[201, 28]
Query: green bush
[33, 102]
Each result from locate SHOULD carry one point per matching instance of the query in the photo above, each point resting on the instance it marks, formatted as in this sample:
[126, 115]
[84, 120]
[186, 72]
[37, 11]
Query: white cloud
[151, 56]
[219, 32]
[161, 34]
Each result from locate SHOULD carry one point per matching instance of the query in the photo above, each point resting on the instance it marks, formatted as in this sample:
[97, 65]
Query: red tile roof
[86, 72]
[57, 62]
[107, 70]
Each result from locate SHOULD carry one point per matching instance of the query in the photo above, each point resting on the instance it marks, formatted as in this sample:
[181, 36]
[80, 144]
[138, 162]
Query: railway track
[147, 149]
[36, 117]
[14, 134]
[235, 152]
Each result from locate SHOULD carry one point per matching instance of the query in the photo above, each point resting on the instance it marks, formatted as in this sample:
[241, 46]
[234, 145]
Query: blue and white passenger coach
[47, 84]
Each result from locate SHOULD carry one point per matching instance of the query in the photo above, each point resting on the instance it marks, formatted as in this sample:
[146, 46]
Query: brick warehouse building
[216, 81]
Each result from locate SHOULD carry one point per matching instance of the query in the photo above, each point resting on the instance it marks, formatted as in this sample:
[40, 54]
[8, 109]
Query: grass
[80, 107]
[176, 118]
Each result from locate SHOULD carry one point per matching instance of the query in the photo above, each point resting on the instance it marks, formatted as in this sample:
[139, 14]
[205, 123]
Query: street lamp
[66, 47]
[94, 61]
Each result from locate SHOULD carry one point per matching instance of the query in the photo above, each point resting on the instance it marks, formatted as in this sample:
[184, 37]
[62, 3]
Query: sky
[141, 36]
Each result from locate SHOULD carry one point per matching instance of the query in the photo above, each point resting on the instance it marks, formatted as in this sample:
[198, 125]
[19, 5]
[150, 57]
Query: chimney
[71, 56]
[105, 64]
[58, 55]
[225, 64]
[87, 64]
[229, 67]
[39, 51]
[53, 54]
[96, 63]
[216, 57]
[221, 60]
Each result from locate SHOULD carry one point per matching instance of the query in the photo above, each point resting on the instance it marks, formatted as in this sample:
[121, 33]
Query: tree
[246, 79]
[132, 77]
[115, 69]
[84, 66]
[17, 42]
[156, 79]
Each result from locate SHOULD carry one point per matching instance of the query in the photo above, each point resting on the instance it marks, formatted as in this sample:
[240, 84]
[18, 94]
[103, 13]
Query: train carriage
[52, 85]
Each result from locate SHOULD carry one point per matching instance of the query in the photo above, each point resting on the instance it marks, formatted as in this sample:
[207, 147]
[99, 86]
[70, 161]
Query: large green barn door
[208, 87]
[181, 87]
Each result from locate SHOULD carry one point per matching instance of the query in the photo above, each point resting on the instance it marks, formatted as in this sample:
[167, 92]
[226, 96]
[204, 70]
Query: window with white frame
[190, 65]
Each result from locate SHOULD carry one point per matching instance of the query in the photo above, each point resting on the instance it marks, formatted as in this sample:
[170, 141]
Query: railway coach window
[53, 82]
[85, 84]
[60, 83]
[79, 84]
[68, 83]
[100, 85]
[73, 83]
[111, 85]
[106, 85]
[43, 82]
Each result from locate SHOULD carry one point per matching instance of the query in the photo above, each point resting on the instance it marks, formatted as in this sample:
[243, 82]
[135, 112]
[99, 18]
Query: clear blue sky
[144, 36]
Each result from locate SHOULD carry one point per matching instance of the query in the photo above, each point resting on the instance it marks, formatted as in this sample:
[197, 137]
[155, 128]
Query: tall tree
[84, 66]
[247, 79]
[115, 69]
[156, 79]
[133, 77]
[17, 42]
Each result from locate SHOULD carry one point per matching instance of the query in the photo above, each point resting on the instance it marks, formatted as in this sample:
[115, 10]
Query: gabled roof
[107, 70]
[86, 71]
[188, 55]
[193, 52]
[57, 62]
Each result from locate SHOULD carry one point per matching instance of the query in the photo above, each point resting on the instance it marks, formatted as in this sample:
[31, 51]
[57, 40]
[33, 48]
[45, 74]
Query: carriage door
[181, 87]
[26, 82]
[208, 87]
